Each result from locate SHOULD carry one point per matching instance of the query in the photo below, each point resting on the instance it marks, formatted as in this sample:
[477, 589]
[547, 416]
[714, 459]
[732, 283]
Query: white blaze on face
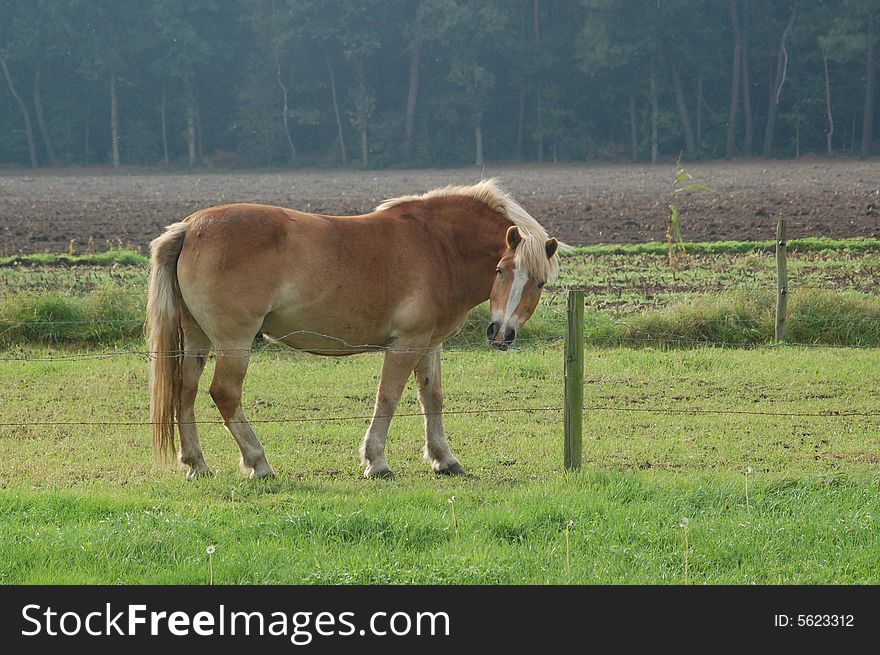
[508, 319]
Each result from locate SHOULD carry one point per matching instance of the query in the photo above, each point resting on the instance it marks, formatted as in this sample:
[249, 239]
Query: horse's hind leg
[232, 363]
[196, 346]
[437, 452]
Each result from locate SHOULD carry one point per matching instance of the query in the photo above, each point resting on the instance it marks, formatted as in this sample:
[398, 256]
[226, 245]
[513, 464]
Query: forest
[414, 83]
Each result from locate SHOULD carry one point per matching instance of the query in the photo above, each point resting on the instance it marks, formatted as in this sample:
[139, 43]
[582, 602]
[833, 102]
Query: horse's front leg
[437, 452]
[398, 364]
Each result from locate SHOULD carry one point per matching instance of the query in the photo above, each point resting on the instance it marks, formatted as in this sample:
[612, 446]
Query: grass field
[84, 503]
[768, 498]
[721, 293]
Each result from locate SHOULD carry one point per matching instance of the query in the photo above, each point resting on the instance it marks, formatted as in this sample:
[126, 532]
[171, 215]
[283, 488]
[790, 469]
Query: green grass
[809, 244]
[129, 257]
[84, 504]
[748, 318]
[630, 298]
[107, 315]
[112, 317]
[117, 256]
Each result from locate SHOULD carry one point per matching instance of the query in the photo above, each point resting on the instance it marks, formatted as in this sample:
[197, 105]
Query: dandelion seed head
[210, 549]
[684, 522]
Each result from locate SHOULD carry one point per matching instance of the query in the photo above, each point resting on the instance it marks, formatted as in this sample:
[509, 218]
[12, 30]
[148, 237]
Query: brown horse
[401, 279]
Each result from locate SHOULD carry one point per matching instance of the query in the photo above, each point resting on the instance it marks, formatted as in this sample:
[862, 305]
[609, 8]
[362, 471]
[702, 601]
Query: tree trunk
[730, 148]
[536, 18]
[633, 130]
[521, 119]
[852, 132]
[164, 131]
[749, 144]
[86, 152]
[342, 151]
[114, 118]
[830, 131]
[364, 103]
[41, 119]
[681, 106]
[870, 72]
[28, 130]
[779, 80]
[365, 150]
[478, 140]
[539, 118]
[700, 109]
[200, 146]
[655, 112]
[285, 110]
[411, 97]
[540, 131]
[191, 132]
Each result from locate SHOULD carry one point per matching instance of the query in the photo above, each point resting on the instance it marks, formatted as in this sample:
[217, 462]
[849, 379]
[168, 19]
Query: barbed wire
[616, 331]
[669, 340]
[595, 335]
[690, 320]
[611, 333]
[453, 412]
[249, 354]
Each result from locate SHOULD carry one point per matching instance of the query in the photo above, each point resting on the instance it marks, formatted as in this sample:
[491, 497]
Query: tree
[360, 43]
[613, 46]
[268, 82]
[839, 41]
[778, 81]
[29, 132]
[19, 28]
[748, 118]
[473, 30]
[187, 49]
[865, 12]
[110, 40]
[730, 148]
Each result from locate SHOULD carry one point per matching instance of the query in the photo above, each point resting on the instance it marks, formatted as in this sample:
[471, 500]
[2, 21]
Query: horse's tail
[164, 338]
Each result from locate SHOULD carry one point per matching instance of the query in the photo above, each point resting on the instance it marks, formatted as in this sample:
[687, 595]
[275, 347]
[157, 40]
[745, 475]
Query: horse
[401, 279]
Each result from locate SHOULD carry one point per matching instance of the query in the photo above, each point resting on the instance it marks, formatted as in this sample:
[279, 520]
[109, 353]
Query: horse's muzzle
[492, 336]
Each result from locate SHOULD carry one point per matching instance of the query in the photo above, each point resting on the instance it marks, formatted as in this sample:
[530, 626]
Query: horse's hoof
[263, 474]
[192, 474]
[453, 469]
[381, 474]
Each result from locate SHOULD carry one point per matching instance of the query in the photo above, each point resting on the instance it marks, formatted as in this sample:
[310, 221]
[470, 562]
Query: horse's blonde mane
[531, 251]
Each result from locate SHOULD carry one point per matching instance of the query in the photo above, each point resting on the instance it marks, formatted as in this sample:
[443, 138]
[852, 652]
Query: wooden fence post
[574, 380]
[781, 280]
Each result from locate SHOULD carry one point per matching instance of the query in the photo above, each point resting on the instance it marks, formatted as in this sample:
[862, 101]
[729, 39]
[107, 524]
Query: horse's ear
[513, 237]
[551, 246]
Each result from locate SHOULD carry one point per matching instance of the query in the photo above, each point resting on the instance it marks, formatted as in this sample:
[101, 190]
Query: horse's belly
[318, 344]
[319, 335]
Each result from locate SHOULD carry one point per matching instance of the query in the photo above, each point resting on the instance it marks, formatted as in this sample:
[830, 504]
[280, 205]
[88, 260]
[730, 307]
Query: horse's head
[520, 275]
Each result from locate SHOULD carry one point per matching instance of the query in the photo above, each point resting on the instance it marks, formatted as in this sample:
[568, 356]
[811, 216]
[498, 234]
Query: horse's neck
[474, 235]
[484, 248]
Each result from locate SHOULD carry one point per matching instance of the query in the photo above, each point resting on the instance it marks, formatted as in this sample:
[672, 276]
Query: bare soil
[581, 204]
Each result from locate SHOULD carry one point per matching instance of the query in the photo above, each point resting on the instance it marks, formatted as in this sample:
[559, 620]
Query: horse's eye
[541, 285]
[500, 272]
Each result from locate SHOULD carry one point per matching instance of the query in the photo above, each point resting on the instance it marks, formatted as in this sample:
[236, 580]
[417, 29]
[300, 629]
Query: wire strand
[497, 410]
